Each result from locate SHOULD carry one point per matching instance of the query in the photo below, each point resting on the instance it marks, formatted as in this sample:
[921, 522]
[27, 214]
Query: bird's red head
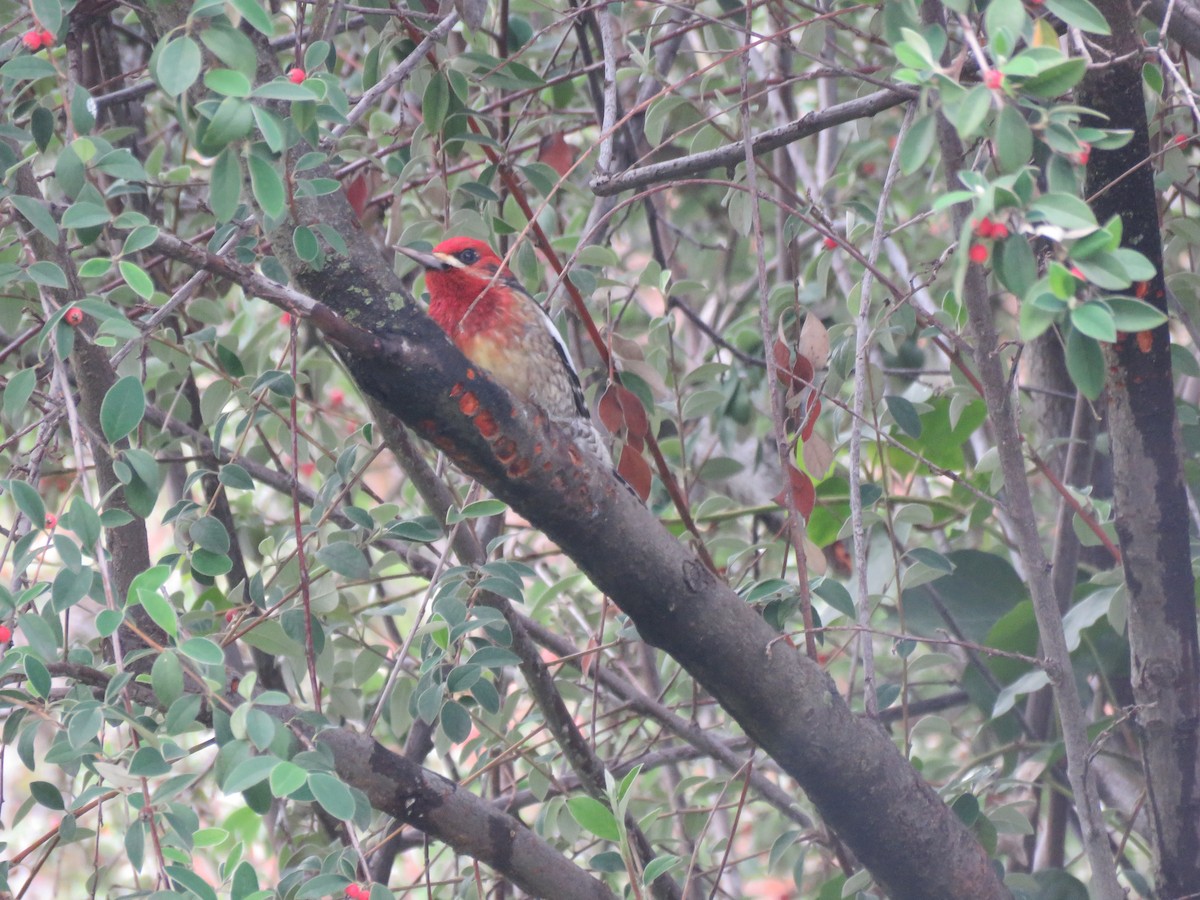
[464, 276]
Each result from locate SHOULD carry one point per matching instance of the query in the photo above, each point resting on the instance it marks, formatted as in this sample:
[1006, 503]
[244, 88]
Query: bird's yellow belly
[509, 368]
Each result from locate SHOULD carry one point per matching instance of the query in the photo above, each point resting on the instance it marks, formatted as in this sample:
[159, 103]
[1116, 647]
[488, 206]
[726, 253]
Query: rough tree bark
[1151, 501]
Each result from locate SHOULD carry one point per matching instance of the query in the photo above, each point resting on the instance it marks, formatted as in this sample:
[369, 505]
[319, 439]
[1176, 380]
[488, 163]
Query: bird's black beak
[428, 260]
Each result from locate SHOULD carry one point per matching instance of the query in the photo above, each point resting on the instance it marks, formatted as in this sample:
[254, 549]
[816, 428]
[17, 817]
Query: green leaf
[345, 559]
[905, 414]
[232, 121]
[160, 610]
[594, 817]
[1085, 364]
[139, 239]
[489, 657]
[660, 865]
[211, 564]
[28, 501]
[166, 678]
[931, 558]
[282, 89]
[85, 215]
[287, 778]
[968, 113]
[49, 14]
[1013, 140]
[17, 393]
[480, 509]
[36, 214]
[227, 82]
[305, 243]
[1134, 315]
[177, 65]
[456, 721]
[248, 773]
[267, 186]
[122, 408]
[333, 796]
[225, 185]
[1064, 210]
[1081, 14]
[135, 276]
[1095, 320]
[436, 102]
[234, 476]
[47, 274]
[38, 675]
[272, 129]
[47, 795]
[1055, 81]
[148, 762]
[277, 382]
[209, 534]
[27, 68]
[1014, 265]
[191, 882]
[202, 650]
[254, 13]
[108, 621]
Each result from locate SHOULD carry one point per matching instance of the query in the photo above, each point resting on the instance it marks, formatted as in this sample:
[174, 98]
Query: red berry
[985, 227]
[994, 79]
[830, 243]
[32, 40]
[285, 319]
[307, 468]
[5, 634]
[1077, 273]
[354, 892]
[1084, 154]
[230, 615]
[978, 253]
[336, 398]
[1180, 140]
[296, 75]
[868, 169]
[51, 521]
[47, 37]
[73, 316]
[999, 231]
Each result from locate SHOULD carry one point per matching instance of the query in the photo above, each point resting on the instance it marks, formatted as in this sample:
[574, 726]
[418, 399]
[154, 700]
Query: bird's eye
[469, 256]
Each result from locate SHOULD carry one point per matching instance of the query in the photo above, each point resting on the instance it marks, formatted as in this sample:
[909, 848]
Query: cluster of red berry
[358, 892]
[989, 230]
[37, 38]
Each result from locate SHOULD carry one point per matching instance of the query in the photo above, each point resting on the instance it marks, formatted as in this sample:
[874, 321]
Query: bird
[493, 320]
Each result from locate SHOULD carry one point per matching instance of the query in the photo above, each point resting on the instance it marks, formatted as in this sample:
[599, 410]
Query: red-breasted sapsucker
[498, 326]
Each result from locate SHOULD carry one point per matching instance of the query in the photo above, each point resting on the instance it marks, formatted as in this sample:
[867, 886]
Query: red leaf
[803, 492]
[357, 193]
[636, 471]
[609, 409]
[802, 373]
[814, 411]
[636, 419]
[621, 411]
[783, 360]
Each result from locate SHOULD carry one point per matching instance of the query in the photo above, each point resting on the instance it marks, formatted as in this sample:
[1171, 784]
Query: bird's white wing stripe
[576, 387]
